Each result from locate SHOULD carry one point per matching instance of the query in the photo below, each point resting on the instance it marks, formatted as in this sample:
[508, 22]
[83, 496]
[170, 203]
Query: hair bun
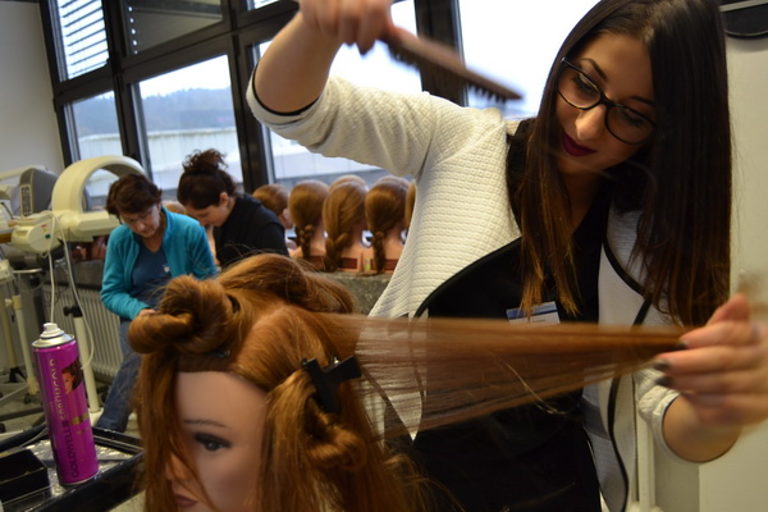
[209, 161]
[194, 317]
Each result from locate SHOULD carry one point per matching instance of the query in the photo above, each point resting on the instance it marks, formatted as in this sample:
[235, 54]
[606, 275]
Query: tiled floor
[15, 401]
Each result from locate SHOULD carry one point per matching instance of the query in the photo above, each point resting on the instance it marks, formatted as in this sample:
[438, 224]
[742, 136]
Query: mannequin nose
[590, 124]
[175, 471]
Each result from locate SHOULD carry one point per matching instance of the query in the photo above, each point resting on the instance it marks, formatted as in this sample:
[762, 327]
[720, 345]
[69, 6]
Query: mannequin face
[214, 215]
[222, 421]
[620, 66]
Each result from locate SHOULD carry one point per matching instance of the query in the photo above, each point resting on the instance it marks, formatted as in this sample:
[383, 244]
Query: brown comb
[443, 62]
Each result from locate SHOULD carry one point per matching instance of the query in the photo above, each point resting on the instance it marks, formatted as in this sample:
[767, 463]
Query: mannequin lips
[183, 501]
[572, 148]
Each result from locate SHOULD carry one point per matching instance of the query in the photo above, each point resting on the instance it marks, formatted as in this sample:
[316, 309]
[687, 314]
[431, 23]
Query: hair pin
[327, 380]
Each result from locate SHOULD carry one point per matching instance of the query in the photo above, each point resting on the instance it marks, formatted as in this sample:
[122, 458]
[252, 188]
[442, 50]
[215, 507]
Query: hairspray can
[65, 404]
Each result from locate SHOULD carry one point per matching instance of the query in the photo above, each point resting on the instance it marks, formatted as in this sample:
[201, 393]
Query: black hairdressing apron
[526, 458]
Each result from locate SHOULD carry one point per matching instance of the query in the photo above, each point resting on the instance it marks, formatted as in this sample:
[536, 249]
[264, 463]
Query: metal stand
[28, 385]
[84, 345]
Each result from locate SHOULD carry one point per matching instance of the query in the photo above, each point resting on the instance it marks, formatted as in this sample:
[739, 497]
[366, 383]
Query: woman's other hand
[723, 379]
[724, 371]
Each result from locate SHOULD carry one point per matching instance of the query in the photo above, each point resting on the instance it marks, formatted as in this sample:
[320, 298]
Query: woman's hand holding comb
[352, 22]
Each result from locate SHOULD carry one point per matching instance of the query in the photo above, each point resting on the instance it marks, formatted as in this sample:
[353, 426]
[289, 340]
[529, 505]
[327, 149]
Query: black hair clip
[327, 380]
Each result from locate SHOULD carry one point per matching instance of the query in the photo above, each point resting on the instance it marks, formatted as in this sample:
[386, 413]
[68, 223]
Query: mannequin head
[275, 197]
[222, 379]
[385, 213]
[348, 178]
[344, 220]
[305, 203]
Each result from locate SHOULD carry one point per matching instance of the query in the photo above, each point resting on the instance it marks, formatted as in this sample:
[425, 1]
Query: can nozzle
[51, 330]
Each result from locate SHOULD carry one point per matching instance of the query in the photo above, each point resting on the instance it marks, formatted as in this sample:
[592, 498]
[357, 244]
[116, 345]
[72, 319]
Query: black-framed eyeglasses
[580, 91]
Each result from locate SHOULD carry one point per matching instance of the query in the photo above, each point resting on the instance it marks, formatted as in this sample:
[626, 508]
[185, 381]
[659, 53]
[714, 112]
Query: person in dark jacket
[242, 225]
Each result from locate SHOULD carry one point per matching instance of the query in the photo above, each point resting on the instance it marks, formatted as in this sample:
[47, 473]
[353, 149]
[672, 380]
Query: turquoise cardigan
[186, 249]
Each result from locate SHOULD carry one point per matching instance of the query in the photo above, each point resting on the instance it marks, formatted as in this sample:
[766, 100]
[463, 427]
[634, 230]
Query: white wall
[28, 131]
[739, 480]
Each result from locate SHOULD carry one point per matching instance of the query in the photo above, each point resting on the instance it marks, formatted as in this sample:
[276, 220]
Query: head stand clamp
[326, 380]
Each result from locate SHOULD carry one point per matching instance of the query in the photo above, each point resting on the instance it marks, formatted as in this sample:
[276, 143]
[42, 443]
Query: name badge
[544, 314]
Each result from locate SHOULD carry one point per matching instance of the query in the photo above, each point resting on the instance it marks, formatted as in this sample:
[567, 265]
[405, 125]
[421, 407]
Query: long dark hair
[204, 179]
[680, 182]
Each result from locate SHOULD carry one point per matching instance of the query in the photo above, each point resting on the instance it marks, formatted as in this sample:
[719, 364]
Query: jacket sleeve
[115, 291]
[361, 124]
[652, 404]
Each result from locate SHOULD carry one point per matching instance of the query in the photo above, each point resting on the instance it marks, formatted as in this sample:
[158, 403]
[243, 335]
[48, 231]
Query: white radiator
[104, 326]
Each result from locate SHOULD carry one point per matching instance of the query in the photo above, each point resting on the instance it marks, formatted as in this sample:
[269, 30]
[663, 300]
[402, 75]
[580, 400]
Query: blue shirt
[184, 244]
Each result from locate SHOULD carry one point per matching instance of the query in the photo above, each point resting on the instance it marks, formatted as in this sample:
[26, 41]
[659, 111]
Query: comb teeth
[445, 64]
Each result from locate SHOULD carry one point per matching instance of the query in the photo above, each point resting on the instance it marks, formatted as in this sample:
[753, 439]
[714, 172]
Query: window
[96, 128]
[82, 36]
[97, 189]
[149, 23]
[292, 163]
[255, 4]
[185, 110]
[526, 38]
[159, 56]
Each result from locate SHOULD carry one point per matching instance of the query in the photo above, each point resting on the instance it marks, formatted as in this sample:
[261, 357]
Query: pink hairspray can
[65, 405]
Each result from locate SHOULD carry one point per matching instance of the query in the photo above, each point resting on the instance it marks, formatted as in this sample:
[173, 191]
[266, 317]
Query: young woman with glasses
[612, 205]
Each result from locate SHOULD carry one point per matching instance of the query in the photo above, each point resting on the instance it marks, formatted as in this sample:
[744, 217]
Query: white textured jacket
[458, 157]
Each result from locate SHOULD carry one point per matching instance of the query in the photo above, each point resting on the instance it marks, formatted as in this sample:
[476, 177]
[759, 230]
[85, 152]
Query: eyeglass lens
[581, 92]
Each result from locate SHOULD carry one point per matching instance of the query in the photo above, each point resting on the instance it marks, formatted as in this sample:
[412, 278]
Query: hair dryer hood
[68, 193]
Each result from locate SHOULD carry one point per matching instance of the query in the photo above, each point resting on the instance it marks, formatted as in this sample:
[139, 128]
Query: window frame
[234, 36]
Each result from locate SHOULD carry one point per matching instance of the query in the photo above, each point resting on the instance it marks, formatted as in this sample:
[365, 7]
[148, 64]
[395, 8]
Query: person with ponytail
[241, 224]
[231, 412]
[305, 203]
[385, 206]
[344, 219]
[590, 211]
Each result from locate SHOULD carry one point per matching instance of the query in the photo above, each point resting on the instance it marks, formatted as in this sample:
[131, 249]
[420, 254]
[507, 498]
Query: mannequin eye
[211, 443]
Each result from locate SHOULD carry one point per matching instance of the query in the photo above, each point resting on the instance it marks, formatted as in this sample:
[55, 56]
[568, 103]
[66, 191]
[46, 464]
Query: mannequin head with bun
[229, 417]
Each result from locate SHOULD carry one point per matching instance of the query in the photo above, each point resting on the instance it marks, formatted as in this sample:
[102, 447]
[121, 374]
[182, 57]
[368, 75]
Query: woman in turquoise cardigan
[151, 246]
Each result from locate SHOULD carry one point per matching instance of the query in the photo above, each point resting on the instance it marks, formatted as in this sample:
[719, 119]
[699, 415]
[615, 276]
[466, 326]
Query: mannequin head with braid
[385, 214]
[305, 204]
[344, 219]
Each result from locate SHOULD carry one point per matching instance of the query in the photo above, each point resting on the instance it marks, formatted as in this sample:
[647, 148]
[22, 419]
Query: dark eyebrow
[206, 422]
[597, 68]
[602, 74]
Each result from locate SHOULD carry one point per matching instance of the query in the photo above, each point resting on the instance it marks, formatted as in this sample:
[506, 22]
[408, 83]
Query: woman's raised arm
[293, 71]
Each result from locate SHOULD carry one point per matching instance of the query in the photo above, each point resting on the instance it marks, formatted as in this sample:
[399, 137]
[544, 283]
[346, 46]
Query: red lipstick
[572, 148]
